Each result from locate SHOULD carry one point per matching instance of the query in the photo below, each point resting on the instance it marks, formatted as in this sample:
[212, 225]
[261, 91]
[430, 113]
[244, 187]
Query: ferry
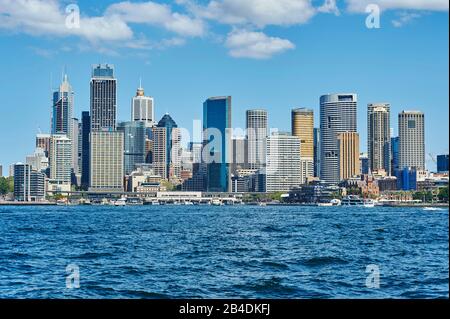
[352, 200]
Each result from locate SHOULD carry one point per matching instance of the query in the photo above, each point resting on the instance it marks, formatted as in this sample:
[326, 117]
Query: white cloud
[159, 15]
[259, 13]
[404, 18]
[329, 6]
[431, 5]
[256, 45]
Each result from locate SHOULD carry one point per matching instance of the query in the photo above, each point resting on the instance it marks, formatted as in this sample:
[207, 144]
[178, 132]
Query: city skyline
[381, 61]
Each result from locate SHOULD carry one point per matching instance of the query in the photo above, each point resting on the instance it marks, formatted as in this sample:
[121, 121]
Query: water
[223, 252]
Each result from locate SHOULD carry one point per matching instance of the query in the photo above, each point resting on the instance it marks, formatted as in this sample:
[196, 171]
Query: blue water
[223, 252]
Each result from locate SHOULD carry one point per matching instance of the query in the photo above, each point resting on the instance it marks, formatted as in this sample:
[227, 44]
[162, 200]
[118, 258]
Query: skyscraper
[74, 139]
[337, 115]
[217, 143]
[60, 158]
[167, 148]
[395, 154]
[348, 155]
[303, 127]
[106, 161]
[412, 140]
[134, 144]
[379, 137]
[43, 142]
[142, 108]
[442, 163]
[63, 109]
[256, 124]
[282, 162]
[85, 149]
[316, 152]
[103, 98]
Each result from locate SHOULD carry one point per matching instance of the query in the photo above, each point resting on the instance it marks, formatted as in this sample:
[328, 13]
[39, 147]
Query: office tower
[337, 115]
[134, 144]
[316, 152]
[38, 160]
[239, 156]
[167, 148]
[282, 162]
[395, 154]
[379, 136]
[348, 143]
[29, 185]
[142, 108]
[60, 158]
[364, 166]
[85, 149]
[63, 109]
[80, 148]
[106, 161]
[74, 139]
[303, 127]
[43, 142]
[256, 124]
[412, 140]
[196, 149]
[103, 98]
[442, 163]
[217, 141]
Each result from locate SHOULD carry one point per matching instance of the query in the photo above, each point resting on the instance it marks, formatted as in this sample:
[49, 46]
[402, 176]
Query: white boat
[155, 202]
[188, 203]
[262, 204]
[335, 202]
[352, 200]
[216, 202]
[324, 204]
[369, 203]
[120, 202]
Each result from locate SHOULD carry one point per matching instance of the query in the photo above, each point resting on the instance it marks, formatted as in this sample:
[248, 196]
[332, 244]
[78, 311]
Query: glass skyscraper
[217, 120]
[62, 109]
[85, 131]
[103, 98]
[134, 144]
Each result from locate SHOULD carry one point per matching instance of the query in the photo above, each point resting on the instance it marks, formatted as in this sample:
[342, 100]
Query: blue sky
[273, 54]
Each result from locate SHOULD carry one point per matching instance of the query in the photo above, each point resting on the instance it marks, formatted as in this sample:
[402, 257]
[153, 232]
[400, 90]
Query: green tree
[6, 185]
[443, 194]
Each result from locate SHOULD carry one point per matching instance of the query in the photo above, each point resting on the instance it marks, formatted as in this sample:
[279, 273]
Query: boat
[432, 208]
[369, 203]
[188, 203]
[262, 204]
[352, 200]
[120, 202]
[325, 204]
[336, 202]
[216, 202]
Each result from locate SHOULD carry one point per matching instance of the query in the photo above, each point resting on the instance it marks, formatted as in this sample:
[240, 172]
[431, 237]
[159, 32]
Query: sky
[272, 54]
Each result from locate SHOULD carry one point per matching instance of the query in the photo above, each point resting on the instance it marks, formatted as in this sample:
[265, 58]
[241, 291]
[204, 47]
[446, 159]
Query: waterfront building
[256, 125]
[303, 127]
[442, 163]
[29, 185]
[411, 129]
[85, 149]
[316, 152]
[379, 136]
[142, 108]
[103, 98]
[337, 115]
[60, 158]
[282, 162]
[348, 143]
[106, 161]
[217, 143]
[315, 192]
[134, 144]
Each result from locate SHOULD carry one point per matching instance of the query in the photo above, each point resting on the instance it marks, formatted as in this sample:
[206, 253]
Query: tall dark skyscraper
[217, 119]
[337, 115]
[442, 163]
[103, 98]
[134, 144]
[63, 109]
[395, 153]
[85, 131]
[316, 152]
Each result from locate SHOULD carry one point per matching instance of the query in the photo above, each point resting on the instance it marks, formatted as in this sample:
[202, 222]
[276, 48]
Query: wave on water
[324, 261]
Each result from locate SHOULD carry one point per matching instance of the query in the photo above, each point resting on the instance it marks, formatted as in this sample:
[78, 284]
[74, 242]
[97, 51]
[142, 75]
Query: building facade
[142, 108]
[337, 115]
[411, 128]
[103, 98]
[348, 143]
[302, 124]
[379, 137]
[257, 130]
[134, 144]
[316, 152]
[442, 163]
[60, 159]
[29, 185]
[85, 149]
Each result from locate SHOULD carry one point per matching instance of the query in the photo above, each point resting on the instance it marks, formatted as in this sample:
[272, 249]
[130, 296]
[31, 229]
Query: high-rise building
[38, 160]
[60, 158]
[29, 185]
[1, 170]
[239, 157]
[395, 154]
[316, 152]
[348, 155]
[217, 142]
[337, 115]
[411, 128]
[74, 139]
[103, 98]
[85, 149]
[256, 124]
[282, 162]
[442, 163]
[134, 144]
[303, 127]
[379, 136]
[43, 142]
[364, 166]
[167, 148]
[63, 109]
[106, 161]
[142, 108]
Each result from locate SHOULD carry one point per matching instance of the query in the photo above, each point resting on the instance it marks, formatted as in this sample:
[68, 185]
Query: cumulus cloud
[431, 5]
[256, 45]
[404, 18]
